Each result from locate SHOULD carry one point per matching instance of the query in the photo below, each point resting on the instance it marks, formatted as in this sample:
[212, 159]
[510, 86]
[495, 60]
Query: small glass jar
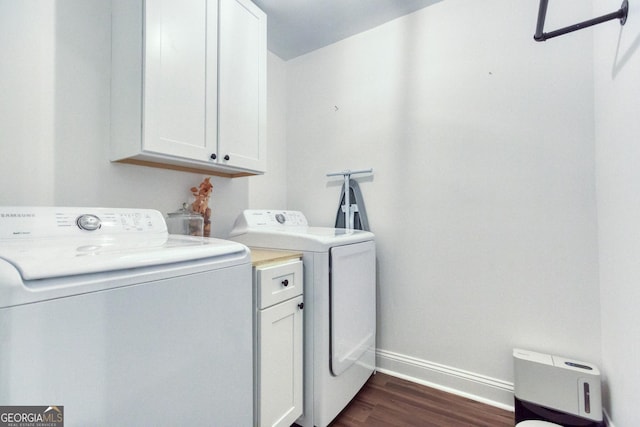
[183, 221]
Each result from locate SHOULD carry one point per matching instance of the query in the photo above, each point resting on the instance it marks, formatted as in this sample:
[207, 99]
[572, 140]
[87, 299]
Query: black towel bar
[541, 36]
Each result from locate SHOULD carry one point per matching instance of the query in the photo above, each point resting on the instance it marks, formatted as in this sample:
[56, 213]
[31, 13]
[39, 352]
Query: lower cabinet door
[280, 364]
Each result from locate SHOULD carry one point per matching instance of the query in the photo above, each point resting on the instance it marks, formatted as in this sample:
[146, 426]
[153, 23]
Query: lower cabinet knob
[226, 157]
[285, 283]
[301, 305]
[213, 156]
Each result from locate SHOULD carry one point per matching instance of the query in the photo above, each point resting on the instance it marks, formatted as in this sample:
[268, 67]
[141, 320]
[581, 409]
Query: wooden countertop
[262, 257]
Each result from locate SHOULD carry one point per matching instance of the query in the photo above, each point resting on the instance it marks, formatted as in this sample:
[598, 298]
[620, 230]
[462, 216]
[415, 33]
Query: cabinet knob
[285, 283]
[213, 156]
[301, 305]
[226, 157]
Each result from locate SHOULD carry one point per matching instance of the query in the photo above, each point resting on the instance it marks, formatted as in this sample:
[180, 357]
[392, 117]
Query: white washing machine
[104, 314]
[340, 304]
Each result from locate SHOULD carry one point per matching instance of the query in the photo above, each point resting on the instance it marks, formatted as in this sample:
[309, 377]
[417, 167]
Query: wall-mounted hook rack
[541, 36]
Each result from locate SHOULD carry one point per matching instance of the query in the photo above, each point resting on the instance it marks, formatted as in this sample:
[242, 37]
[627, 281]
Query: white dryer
[340, 304]
[105, 315]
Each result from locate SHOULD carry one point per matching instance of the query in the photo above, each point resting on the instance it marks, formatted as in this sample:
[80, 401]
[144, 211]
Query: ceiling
[296, 27]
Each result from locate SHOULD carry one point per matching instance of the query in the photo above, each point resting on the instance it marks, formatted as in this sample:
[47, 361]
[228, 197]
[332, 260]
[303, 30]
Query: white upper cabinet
[189, 85]
[243, 88]
[180, 79]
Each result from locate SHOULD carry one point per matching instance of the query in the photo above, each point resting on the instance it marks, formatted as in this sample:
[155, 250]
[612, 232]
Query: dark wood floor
[386, 401]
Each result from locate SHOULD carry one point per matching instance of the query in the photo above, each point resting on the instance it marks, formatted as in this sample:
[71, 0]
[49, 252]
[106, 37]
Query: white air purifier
[554, 390]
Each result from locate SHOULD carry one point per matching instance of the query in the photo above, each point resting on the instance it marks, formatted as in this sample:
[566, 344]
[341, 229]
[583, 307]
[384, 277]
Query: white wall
[269, 191]
[617, 65]
[26, 104]
[54, 119]
[483, 198]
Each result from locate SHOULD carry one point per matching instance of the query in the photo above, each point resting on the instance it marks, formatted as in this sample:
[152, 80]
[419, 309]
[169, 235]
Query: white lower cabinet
[278, 339]
[280, 364]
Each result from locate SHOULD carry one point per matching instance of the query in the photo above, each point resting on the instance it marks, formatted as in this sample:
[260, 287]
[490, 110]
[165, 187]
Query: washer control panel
[40, 222]
[252, 218]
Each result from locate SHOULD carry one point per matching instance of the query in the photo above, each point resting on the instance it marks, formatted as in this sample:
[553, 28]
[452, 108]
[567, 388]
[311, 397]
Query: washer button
[88, 222]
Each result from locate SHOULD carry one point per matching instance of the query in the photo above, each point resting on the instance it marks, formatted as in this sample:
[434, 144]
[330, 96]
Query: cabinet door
[180, 78]
[242, 89]
[280, 364]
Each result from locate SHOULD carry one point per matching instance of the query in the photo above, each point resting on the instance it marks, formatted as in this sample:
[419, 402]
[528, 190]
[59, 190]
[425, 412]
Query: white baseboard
[473, 386]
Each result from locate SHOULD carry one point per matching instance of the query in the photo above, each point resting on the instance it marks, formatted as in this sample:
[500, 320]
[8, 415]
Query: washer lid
[313, 239]
[290, 230]
[41, 259]
[53, 242]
